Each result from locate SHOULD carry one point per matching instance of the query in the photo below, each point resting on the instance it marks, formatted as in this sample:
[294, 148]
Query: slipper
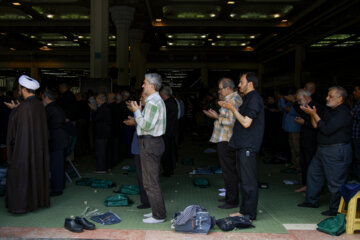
[263, 185]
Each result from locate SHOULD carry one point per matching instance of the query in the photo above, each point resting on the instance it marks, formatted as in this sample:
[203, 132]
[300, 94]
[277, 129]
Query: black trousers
[143, 196]
[227, 158]
[57, 170]
[247, 169]
[168, 159]
[151, 150]
[113, 152]
[100, 147]
[306, 155]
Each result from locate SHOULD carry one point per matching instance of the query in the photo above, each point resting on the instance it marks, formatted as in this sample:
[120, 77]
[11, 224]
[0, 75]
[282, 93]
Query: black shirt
[59, 139]
[335, 126]
[171, 116]
[251, 137]
[308, 134]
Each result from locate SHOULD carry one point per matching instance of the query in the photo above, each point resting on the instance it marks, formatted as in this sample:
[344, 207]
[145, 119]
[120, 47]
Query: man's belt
[147, 136]
[333, 145]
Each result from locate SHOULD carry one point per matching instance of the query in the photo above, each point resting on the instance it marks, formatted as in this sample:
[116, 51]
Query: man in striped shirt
[151, 125]
[223, 129]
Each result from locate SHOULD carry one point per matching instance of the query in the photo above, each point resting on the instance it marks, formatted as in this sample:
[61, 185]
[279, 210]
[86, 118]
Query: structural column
[34, 68]
[99, 56]
[122, 17]
[136, 60]
[204, 76]
[299, 59]
[260, 76]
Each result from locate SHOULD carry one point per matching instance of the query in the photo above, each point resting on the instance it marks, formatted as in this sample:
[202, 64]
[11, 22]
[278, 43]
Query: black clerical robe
[28, 158]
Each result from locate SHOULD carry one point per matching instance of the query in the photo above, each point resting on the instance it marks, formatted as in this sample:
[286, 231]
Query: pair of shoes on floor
[149, 219]
[330, 213]
[78, 224]
[308, 205]
[143, 206]
[227, 206]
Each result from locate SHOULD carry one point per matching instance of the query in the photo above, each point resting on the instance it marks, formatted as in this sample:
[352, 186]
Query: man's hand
[92, 106]
[132, 106]
[299, 120]
[130, 121]
[12, 105]
[308, 110]
[211, 113]
[228, 105]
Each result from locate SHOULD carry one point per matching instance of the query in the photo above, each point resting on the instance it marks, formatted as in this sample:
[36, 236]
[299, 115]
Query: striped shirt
[223, 126]
[152, 120]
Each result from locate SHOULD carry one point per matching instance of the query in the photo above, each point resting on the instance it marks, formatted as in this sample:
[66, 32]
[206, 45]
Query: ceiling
[185, 30]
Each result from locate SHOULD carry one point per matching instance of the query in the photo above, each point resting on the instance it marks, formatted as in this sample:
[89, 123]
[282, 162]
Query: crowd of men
[322, 140]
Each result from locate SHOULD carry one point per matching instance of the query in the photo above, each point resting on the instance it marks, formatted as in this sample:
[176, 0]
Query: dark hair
[251, 77]
[50, 94]
[29, 90]
[64, 84]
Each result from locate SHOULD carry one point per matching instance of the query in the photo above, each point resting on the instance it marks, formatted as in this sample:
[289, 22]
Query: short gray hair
[340, 91]
[155, 79]
[227, 82]
[167, 91]
[303, 92]
[125, 93]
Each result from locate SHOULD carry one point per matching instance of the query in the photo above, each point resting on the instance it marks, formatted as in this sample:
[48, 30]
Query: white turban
[28, 82]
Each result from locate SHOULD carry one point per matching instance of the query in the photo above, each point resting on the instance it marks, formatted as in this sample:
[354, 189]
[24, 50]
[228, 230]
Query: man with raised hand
[247, 137]
[28, 185]
[223, 130]
[151, 125]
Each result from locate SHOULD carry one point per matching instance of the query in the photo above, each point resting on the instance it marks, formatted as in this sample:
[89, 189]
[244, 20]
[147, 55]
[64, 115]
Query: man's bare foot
[302, 189]
[236, 215]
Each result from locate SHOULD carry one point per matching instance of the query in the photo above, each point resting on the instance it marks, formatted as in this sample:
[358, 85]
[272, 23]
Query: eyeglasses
[221, 89]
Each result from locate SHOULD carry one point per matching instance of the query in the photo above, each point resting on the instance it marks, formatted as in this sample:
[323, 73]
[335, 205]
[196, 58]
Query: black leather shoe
[72, 226]
[308, 205]
[143, 206]
[85, 223]
[330, 213]
[227, 206]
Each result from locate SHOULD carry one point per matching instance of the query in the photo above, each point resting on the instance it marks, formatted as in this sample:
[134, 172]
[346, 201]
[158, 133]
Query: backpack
[128, 189]
[333, 225]
[118, 200]
[201, 182]
[194, 219]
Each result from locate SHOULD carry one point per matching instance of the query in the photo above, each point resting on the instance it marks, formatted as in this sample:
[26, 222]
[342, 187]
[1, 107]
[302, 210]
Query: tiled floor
[30, 232]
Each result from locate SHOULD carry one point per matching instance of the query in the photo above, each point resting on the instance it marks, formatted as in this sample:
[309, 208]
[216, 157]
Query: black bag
[229, 223]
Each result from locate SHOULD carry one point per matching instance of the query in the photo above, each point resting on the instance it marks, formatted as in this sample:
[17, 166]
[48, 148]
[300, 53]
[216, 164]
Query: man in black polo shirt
[333, 155]
[247, 137]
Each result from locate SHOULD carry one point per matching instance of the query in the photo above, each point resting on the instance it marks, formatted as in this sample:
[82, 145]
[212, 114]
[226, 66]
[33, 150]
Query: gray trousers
[330, 164]
[151, 150]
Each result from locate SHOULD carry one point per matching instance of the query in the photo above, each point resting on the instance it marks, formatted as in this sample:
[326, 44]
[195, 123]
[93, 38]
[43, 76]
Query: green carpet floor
[277, 204]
